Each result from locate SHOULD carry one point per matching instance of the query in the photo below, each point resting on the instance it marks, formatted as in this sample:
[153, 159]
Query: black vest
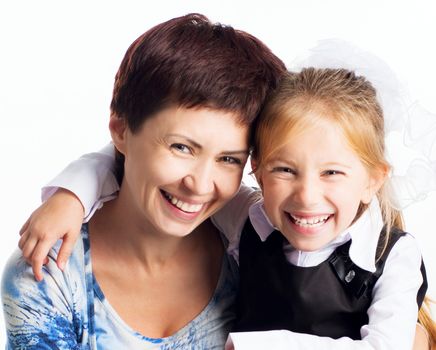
[330, 299]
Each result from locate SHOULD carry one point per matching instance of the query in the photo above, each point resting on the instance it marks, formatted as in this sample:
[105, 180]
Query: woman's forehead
[202, 125]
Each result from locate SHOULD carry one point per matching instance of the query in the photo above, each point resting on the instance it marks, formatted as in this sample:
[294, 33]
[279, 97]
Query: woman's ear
[118, 129]
[376, 181]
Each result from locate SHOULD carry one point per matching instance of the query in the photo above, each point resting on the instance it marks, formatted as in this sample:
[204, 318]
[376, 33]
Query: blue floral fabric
[68, 310]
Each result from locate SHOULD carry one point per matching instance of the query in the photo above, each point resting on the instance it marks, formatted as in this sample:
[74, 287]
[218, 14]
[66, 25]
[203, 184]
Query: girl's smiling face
[313, 186]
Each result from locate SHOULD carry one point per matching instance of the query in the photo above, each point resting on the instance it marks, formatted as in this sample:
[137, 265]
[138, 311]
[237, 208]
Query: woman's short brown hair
[189, 61]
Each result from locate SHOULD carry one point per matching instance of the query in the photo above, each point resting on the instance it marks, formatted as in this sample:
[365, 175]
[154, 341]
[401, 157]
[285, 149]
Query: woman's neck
[157, 283]
[117, 231]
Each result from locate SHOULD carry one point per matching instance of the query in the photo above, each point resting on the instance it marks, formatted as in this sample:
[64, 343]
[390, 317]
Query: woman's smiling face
[181, 166]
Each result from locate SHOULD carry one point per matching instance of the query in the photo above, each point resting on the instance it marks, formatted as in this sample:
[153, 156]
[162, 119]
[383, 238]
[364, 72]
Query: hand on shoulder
[60, 217]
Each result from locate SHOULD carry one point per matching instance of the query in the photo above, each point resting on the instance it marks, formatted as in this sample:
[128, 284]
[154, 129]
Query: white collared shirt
[364, 235]
[393, 312]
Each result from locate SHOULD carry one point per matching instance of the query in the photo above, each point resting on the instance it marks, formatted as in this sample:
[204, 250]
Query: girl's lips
[309, 220]
[308, 224]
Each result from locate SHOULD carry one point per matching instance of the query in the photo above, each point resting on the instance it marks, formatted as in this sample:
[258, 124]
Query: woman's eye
[181, 148]
[231, 160]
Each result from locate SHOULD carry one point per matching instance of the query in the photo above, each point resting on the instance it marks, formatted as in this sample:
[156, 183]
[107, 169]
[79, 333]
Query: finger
[25, 226]
[36, 268]
[65, 251]
[37, 271]
[39, 258]
[29, 247]
[23, 239]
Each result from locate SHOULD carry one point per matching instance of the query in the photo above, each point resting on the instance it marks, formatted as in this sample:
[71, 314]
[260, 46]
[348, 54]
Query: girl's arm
[392, 314]
[40, 315]
[91, 178]
[77, 192]
[279, 340]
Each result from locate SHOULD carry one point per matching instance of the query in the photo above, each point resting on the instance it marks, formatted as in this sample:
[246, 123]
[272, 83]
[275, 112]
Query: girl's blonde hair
[345, 99]
[336, 95]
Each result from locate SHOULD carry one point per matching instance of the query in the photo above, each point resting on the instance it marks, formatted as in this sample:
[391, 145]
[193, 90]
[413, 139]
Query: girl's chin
[308, 247]
[307, 241]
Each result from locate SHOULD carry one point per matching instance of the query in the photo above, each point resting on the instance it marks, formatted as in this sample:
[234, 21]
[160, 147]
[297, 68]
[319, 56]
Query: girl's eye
[332, 172]
[181, 148]
[283, 170]
[231, 160]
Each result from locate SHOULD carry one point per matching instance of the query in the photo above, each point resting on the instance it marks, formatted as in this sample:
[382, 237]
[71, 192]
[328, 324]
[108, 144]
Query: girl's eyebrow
[282, 160]
[199, 146]
[333, 164]
[326, 164]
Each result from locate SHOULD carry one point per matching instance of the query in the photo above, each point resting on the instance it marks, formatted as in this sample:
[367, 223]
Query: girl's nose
[307, 192]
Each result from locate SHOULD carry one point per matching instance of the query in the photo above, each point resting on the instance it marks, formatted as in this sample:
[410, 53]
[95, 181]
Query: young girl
[323, 255]
[324, 252]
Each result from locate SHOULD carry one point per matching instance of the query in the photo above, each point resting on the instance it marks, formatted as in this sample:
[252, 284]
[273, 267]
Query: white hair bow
[410, 129]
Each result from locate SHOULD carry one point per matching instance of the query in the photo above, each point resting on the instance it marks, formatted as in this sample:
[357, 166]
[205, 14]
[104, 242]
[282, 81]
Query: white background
[58, 60]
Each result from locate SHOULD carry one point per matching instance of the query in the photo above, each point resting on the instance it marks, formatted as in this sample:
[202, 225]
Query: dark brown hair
[190, 62]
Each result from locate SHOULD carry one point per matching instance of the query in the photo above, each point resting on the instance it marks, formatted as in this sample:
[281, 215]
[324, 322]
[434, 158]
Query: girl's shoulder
[399, 240]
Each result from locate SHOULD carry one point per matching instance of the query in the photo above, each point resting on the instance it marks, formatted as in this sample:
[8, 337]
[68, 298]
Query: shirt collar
[364, 233]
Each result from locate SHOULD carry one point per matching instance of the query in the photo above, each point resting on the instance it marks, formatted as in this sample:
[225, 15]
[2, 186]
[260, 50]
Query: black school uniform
[330, 299]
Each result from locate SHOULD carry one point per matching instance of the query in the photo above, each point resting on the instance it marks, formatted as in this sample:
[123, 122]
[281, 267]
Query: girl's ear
[376, 181]
[256, 173]
[118, 129]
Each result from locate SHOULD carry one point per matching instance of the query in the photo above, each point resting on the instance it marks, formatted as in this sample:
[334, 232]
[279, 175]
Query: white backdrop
[58, 60]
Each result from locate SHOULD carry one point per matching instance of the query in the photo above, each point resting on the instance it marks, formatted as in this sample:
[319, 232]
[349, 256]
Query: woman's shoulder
[47, 312]
[18, 280]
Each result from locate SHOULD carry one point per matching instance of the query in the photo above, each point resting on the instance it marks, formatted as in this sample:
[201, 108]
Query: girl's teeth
[310, 222]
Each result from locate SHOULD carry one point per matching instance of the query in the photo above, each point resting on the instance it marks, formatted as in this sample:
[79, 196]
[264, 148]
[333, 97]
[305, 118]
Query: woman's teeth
[314, 221]
[186, 207]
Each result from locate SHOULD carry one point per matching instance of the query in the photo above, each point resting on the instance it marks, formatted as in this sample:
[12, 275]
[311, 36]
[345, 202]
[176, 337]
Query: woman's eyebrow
[199, 146]
[241, 152]
[186, 138]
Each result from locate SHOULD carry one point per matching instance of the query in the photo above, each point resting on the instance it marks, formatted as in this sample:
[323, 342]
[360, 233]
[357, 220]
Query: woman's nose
[200, 179]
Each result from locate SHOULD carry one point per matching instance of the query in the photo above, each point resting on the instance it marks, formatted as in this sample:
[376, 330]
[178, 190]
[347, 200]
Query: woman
[153, 273]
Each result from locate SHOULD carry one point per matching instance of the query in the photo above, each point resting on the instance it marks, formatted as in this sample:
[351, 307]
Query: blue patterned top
[68, 310]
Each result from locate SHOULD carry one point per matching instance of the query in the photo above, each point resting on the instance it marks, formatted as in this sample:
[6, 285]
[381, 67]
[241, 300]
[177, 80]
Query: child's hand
[61, 216]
